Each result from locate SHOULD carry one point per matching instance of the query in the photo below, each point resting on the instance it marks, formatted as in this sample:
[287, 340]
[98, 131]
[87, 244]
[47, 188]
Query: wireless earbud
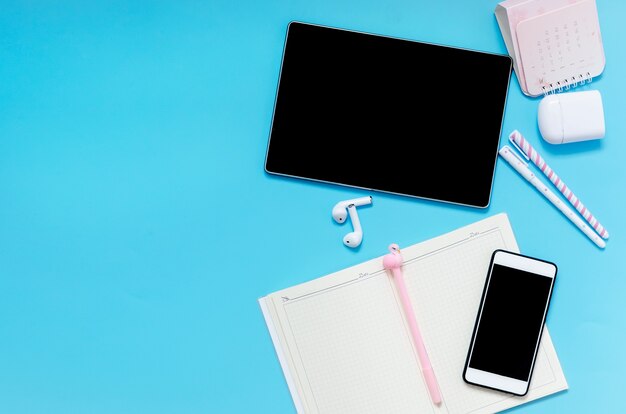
[340, 212]
[354, 238]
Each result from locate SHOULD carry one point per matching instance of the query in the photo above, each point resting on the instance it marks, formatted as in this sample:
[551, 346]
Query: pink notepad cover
[528, 26]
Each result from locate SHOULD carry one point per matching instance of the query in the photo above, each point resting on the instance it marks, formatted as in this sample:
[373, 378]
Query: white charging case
[571, 117]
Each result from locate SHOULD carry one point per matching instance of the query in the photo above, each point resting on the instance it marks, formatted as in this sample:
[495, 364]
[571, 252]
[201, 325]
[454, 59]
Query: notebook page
[344, 339]
[345, 342]
[356, 351]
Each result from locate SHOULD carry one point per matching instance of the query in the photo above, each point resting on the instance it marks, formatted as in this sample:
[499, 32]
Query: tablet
[388, 114]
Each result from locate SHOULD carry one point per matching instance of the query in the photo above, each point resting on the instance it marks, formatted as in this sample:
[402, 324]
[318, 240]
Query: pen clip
[515, 154]
[513, 141]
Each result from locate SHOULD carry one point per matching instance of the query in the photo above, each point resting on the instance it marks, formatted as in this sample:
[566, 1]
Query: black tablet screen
[388, 114]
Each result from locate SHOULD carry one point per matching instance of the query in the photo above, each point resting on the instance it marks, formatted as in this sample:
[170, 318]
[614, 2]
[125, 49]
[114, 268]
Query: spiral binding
[566, 84]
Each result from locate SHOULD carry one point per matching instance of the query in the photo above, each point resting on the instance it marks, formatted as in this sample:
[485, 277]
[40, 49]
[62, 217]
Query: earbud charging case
[571, 117]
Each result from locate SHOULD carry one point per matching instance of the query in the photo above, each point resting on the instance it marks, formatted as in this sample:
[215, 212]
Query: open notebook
[345, 347]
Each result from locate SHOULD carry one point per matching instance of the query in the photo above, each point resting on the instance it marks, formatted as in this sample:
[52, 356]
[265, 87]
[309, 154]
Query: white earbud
[354, 238]
[340, 212]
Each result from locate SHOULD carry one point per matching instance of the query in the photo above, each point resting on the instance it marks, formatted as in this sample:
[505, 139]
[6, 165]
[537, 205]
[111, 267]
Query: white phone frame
[490, 379]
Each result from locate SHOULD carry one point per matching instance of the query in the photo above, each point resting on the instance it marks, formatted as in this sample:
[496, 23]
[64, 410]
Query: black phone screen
[510, 324]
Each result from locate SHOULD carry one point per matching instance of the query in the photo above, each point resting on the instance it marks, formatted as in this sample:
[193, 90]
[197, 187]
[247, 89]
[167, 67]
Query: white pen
[520, 166]
[530, 154]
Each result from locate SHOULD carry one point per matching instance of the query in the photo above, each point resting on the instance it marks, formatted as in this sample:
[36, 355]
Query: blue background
[138, 227]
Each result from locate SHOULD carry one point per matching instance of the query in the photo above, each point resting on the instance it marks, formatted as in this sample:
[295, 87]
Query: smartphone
[510, 322]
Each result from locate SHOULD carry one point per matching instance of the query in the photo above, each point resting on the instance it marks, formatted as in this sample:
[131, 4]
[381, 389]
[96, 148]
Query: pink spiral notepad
[555, 44]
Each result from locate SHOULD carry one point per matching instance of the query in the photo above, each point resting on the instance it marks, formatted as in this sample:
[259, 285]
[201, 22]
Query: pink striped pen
[530, 153]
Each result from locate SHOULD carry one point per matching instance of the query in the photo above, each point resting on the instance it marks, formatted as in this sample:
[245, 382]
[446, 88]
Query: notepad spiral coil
[567, 83]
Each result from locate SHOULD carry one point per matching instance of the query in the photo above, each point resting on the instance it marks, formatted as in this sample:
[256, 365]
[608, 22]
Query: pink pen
[530, 153]
[393, 262]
